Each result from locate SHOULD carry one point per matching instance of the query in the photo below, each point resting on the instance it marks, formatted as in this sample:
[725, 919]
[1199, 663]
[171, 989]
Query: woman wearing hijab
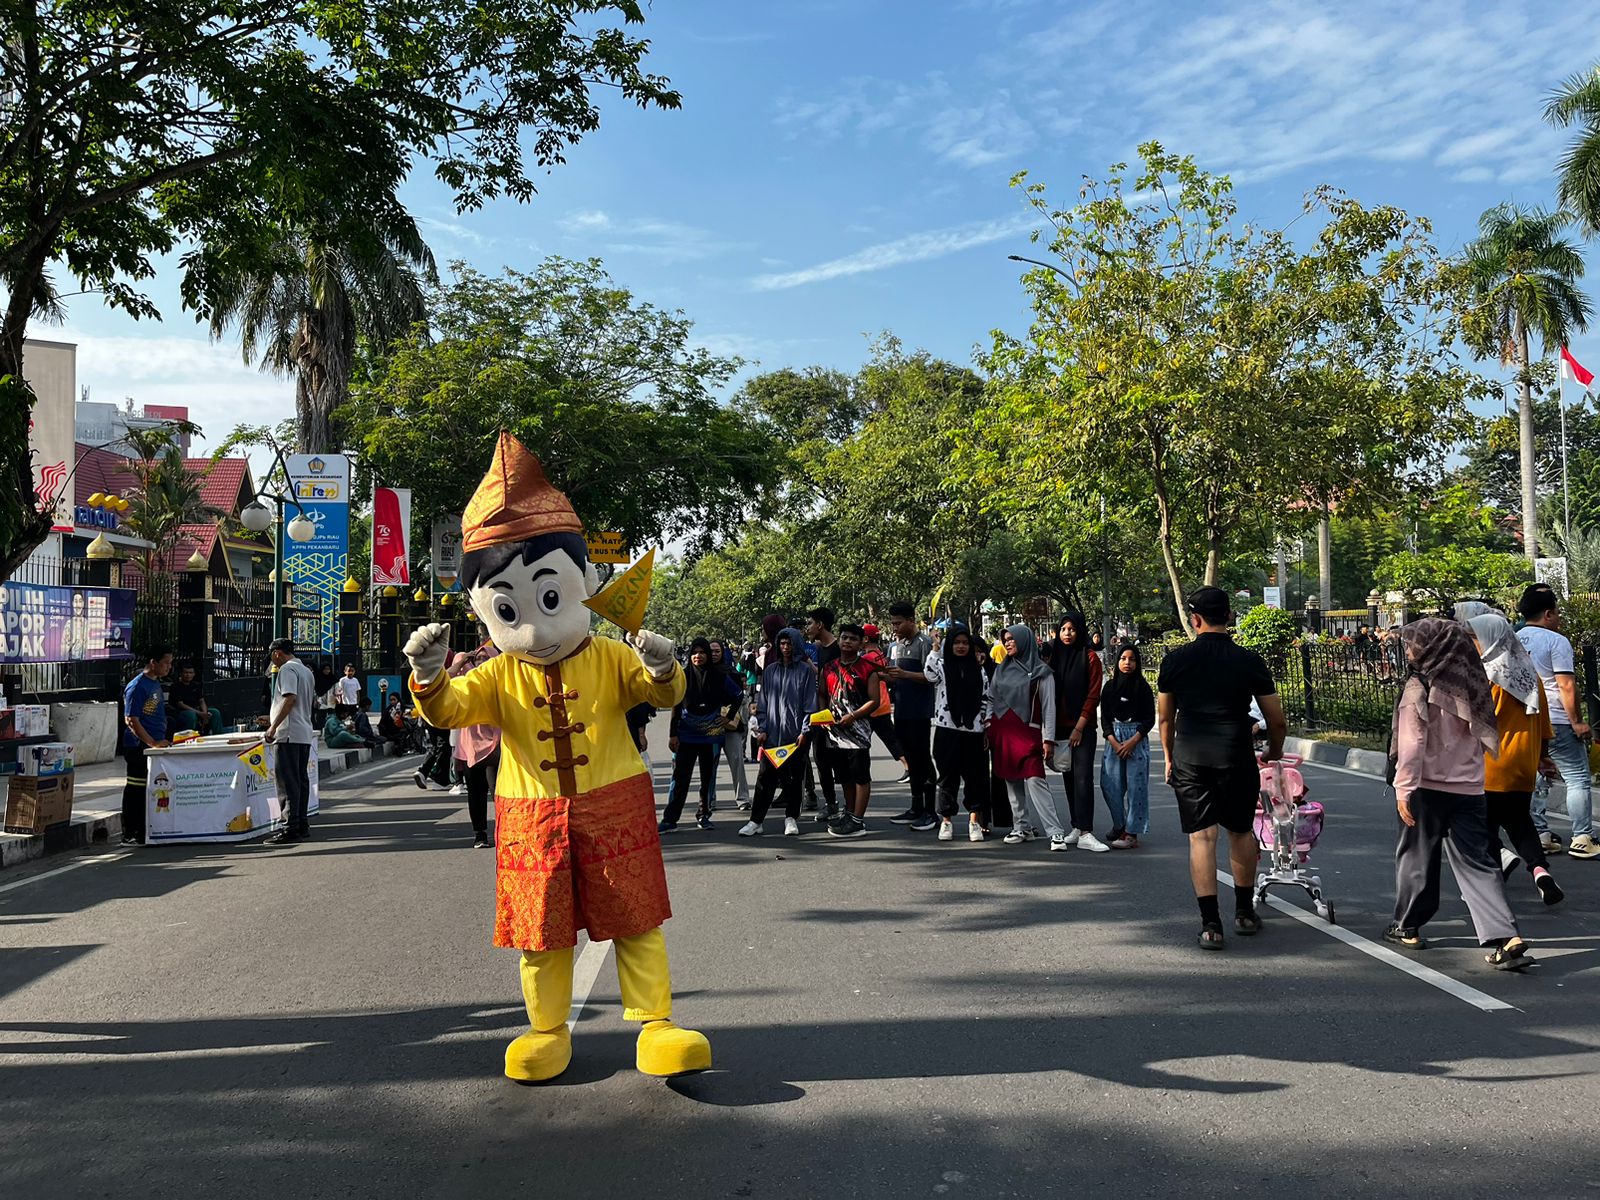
[781, 722]
[478, 747]
[1022, 720]
[1444, 724]
[698, 724]
[1127, 715]
[960, 708]
[1078, 674]
[1525, 733]
[722, 659]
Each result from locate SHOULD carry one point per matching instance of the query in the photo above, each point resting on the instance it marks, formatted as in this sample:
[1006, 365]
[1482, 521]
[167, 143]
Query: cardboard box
[45, 758]
[8, 725]
[32, 720]
[36, 802]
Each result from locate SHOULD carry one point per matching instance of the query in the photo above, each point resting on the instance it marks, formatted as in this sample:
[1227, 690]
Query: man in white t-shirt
[1552, 655]
[289, 729]
[347, 692]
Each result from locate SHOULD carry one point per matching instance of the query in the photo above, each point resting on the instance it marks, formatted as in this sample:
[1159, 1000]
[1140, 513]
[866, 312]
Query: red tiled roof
[99, 471]
[190, 538]
[220, 482]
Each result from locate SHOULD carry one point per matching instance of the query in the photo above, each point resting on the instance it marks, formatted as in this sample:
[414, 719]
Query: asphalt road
[890, 1017]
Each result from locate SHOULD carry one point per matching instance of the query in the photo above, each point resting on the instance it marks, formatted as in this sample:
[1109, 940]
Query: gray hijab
[1506, 661]
[1012, 688]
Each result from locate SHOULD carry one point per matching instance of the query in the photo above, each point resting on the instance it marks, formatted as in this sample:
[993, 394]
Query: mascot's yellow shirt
[592, 691]
[575, 836]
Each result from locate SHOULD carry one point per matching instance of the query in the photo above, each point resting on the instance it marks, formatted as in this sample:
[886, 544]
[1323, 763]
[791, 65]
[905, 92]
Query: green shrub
[1266, 630]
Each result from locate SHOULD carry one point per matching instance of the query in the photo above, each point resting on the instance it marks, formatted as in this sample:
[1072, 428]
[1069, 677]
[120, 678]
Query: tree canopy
[611, 394]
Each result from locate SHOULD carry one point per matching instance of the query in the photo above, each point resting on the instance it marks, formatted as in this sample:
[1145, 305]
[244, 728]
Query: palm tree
[303, 303]
[1577, 102]
[165, 498]
[1524, 279]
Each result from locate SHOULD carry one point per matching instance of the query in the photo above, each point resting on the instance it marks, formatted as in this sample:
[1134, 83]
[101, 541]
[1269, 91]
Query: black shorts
[1223, 796]
[851, 764]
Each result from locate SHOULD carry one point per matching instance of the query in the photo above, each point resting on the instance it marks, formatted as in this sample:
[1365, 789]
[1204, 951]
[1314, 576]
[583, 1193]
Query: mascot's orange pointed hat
[515, 501]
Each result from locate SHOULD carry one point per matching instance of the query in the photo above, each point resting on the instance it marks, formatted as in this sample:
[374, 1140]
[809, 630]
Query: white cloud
[454, 232]
[599, 232]
[918, 247]
[211, 379]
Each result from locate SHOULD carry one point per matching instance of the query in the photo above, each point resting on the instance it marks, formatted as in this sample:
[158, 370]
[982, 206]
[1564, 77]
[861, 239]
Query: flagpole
[1566, 491]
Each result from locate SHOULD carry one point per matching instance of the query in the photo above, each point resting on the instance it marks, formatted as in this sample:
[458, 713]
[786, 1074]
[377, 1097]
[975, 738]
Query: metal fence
[1328, 685]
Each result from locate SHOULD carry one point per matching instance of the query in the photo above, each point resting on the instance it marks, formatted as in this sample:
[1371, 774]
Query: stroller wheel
[1326, 913]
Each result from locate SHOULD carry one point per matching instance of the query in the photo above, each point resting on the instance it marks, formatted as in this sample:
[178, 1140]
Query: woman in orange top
[1525, 733]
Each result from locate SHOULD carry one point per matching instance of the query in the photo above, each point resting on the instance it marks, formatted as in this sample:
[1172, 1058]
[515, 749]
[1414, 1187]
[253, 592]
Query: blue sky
[841, 167]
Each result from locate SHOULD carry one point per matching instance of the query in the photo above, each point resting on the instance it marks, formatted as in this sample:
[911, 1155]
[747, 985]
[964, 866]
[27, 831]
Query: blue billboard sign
[319, 567]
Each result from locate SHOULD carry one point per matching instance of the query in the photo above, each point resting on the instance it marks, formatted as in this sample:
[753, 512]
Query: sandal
[1247, 924]
[1211, 936]
[1509, 957]
[1401, 936]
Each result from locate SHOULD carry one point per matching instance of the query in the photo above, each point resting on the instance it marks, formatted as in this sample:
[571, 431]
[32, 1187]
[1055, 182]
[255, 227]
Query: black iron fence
[1328, 685]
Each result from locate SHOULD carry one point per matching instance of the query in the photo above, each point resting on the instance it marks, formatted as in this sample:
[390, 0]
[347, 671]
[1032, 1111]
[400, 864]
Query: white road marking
[71, 866]
[584, 972]
[1452, 987]
[85, 861]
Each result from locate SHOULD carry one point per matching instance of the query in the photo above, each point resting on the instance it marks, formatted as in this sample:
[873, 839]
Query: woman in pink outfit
[478, 747]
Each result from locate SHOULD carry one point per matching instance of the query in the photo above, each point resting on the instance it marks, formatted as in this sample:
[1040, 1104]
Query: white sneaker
[1023, 834]
[1060, 844]
[1072, 837]
[1583, 846]
[791, 827]
[947, 831]
[1509, 862]
[749, 829]
[1088, 841]
[460, 789]
[975, 832]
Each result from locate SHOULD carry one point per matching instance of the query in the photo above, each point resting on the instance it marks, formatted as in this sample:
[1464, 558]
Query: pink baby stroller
[1287, 826]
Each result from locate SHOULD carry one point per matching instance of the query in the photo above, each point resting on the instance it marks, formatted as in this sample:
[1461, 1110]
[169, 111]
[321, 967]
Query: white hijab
[1506, 660]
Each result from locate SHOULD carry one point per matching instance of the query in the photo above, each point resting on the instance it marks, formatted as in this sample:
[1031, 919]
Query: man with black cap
[289, 729]
[1205, 689]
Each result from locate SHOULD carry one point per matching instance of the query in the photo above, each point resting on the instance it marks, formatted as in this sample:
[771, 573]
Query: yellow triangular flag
[778, 755]
[622, 600]
[824, 717]
[256, 759]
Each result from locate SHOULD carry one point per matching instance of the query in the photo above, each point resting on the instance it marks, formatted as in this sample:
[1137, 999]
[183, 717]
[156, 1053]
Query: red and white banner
[1571, 368]
[391, 537]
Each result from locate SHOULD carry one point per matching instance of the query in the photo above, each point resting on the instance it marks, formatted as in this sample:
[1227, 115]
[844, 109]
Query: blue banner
[318, 568]
[44, 624]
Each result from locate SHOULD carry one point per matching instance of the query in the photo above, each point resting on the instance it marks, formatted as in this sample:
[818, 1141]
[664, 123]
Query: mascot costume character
[575, 818]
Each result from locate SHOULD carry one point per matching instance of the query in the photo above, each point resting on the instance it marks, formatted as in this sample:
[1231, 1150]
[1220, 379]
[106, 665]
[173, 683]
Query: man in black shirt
[1204, 709]
[187, 702]
[824, 649]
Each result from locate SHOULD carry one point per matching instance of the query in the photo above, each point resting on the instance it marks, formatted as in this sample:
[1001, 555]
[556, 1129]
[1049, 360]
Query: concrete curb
[90, 828]
[1329, 754]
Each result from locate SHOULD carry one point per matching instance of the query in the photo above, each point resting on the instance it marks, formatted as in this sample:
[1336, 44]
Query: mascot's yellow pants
[646, 984]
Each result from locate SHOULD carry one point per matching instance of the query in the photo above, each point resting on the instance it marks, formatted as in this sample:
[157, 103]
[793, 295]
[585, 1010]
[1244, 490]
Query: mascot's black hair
[480, 565]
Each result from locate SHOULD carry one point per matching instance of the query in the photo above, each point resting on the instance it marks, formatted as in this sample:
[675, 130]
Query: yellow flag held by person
[824, 717]
[622, 601]
[256, 759]
[778, 755]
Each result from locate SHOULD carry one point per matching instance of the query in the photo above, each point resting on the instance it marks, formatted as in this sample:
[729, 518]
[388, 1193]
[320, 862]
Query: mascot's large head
[525, 564]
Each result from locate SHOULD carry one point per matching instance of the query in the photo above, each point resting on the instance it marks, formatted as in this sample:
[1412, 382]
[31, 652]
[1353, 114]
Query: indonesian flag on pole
[1574, 369]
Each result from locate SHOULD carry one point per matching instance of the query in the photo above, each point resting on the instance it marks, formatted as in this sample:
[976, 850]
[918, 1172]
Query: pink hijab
[476, 742]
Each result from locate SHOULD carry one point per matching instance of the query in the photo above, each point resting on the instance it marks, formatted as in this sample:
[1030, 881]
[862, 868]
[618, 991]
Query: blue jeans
[1127, 779]
[1571, 757]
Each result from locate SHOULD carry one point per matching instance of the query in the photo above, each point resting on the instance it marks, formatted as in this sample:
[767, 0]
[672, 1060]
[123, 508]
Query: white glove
[427, 650]
[655, 652]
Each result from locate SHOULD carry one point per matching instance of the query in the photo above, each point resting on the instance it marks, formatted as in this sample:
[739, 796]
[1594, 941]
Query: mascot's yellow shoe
[535, 1057]
[666, 1050]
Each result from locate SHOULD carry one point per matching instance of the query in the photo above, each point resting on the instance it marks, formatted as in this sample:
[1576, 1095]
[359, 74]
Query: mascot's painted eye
[550, 599]
[505, 608]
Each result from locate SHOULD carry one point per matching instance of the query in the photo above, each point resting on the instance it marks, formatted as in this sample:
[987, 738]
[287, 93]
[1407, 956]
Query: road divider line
[1445, 983]
[584, 972]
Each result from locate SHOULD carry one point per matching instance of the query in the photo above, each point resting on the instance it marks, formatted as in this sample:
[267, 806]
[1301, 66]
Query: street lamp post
[257, 518]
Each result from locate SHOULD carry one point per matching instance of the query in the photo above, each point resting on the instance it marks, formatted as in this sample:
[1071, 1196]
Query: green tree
[1524, 277]
[165, 498]
[133, 128]
[302, 303]
[1577, 102]
[610, 393]
[1186, 363]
